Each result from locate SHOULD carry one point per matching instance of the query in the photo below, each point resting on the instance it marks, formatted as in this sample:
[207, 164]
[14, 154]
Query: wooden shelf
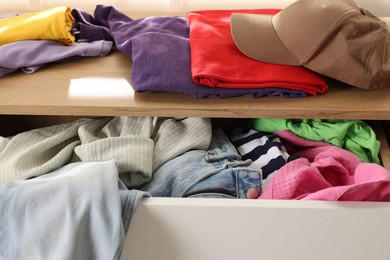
[100, 86]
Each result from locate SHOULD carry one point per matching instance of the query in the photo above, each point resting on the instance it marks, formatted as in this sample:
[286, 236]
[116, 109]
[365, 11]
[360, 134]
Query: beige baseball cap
[335, 38]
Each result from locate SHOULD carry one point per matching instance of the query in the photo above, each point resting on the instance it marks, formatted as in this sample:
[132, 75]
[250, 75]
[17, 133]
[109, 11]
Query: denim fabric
[215, 172]
[80, 211]
[141, 144]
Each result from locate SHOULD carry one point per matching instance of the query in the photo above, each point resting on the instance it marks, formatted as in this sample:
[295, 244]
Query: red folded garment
[217, 62]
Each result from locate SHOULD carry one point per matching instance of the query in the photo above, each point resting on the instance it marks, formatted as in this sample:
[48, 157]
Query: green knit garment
[353, 135]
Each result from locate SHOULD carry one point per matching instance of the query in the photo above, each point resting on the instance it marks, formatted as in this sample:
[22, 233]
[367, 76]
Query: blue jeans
[79, 211]
[217, 172]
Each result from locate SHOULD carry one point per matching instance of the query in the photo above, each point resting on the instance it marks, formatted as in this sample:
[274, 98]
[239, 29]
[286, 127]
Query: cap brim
[255, 36]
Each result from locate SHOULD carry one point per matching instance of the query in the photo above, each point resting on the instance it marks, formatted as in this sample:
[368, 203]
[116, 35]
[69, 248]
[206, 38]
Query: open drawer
[208, 229]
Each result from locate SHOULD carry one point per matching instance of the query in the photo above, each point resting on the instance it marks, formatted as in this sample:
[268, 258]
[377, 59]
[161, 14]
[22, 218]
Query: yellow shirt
[49, 24]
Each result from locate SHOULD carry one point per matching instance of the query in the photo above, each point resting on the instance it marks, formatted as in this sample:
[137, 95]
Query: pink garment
[326, 172]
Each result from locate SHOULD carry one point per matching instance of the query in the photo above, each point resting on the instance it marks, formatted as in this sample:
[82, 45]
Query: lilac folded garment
[30, 55]
[326, 172]
[160, 50]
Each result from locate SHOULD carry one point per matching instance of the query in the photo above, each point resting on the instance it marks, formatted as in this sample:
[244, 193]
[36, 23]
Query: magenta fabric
[217, 62]
[326, 172]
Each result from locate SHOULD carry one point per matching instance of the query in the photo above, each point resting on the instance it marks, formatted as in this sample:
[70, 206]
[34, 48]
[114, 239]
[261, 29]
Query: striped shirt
[266, 152]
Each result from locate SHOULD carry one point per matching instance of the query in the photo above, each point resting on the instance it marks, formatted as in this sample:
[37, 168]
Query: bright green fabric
[353, 135]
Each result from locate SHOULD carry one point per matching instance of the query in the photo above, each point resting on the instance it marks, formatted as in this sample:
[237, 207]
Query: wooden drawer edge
[208, 229]
[385, 148]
